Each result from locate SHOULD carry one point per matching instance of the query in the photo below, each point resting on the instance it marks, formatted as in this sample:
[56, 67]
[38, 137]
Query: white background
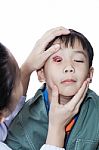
[22, 23]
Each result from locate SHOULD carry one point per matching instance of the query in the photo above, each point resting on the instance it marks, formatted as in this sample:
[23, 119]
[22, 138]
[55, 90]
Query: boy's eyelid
[57, 58]
[79, 60]
[79, 56]
[82, 58]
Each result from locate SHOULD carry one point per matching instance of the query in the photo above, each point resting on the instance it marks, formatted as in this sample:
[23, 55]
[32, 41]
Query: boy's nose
[69, 69]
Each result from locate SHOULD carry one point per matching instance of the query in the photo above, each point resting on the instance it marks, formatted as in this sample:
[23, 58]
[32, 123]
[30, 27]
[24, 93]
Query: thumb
[54, 99]
[53, 49]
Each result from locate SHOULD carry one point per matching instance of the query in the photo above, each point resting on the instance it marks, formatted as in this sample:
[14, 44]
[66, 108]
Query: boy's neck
[64, 99]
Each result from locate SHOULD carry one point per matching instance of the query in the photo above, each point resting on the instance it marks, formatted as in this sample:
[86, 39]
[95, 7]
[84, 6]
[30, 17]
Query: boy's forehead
[76, 47]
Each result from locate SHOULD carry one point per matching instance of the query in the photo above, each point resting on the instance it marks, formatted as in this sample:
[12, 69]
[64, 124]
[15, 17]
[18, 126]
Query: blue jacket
[29, 129]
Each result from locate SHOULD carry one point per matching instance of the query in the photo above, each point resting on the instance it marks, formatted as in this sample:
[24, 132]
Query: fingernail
[89, 80]
[57, 46]
[67, 31]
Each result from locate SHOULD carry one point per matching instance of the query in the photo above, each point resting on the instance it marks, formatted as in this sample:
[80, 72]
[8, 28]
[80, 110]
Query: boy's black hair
[7, 76]
[70, 39]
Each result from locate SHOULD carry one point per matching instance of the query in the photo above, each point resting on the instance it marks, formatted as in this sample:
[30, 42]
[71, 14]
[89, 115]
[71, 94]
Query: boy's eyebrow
[81, 52]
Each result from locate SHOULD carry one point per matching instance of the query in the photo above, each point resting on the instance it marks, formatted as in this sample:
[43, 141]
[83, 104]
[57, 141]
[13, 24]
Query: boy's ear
[90, 75]
[40, 74]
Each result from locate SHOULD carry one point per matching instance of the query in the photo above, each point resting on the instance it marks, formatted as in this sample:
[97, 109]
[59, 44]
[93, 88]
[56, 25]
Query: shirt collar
[47, 104]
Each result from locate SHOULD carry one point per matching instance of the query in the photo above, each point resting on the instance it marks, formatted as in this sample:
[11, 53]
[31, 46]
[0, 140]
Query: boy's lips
[68, 81]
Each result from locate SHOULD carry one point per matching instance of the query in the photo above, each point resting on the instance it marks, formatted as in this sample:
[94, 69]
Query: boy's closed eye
[79, 61]
[79, 57]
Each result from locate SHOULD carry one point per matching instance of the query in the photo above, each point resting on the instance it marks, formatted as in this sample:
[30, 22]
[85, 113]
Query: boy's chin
[68, 93]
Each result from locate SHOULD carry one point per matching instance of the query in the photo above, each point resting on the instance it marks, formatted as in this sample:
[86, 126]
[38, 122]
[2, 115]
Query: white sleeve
[50, 147]
[4, 126]
[3, 146]
[20, 104]
[3, 132]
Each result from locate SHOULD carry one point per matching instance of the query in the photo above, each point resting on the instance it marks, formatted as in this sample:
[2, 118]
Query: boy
[14, 82]
[68, 69]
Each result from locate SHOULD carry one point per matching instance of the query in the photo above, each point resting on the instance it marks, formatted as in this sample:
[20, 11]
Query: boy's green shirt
[29, 129]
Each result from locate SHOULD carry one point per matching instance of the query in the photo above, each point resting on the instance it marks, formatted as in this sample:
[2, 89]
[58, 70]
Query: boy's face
[67, 69]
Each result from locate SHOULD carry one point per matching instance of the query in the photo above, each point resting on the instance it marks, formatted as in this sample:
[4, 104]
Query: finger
[74, 101]
[53, 49]
[83, 96]
[61, 31]
[77, 107]
[57, 33]
[86, 89]
[54, 99]
[80, 93]
[51, 34]
[58, 29]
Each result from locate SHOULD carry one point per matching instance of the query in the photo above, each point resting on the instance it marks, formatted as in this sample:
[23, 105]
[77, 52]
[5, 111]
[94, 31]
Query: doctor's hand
[61, 115]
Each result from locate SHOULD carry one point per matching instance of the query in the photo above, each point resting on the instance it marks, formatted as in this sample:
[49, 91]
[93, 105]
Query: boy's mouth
[68, 81]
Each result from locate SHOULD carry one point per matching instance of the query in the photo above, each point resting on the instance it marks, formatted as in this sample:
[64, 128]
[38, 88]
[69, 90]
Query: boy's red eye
[57, 59]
